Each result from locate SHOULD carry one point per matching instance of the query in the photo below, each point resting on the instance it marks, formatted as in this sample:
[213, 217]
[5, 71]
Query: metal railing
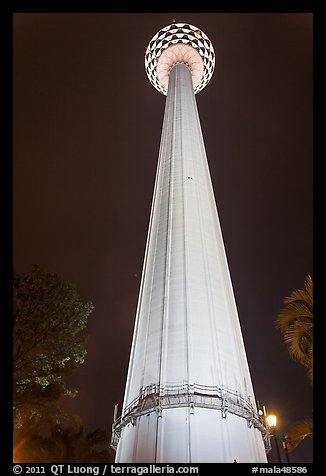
[157, 398]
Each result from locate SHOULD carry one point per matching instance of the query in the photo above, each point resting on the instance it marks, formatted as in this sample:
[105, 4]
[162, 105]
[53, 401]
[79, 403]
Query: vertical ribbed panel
[187, 328]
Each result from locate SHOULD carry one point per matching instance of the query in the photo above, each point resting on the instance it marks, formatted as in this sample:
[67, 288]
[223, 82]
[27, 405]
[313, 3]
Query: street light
[271, 422]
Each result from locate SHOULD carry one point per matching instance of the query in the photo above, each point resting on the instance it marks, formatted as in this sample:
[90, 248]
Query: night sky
[87, 127]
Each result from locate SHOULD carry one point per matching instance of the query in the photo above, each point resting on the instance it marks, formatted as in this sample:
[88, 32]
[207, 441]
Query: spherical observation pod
[179, 43]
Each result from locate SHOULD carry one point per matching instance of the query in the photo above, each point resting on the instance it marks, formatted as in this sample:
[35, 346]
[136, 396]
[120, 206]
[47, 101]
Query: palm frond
[305, 295]
[309, 288]
[297, 433]
[299, 338]
[301, 296]
[292, 312]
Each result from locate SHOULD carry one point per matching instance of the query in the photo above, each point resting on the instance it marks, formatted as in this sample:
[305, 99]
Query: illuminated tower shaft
[188, 396]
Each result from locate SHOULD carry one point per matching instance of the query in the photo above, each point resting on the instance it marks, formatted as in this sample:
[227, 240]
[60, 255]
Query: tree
[49, 319]
[295, 321]
[298, 433]
[69, 444]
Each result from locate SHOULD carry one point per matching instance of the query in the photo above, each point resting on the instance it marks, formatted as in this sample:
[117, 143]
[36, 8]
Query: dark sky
[87, 126]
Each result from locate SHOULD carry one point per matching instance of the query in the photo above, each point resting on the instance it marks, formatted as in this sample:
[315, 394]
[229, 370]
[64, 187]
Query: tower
[188, 395]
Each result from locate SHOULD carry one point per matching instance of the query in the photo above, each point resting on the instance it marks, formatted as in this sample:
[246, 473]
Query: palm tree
[295, 321]
[297, 433]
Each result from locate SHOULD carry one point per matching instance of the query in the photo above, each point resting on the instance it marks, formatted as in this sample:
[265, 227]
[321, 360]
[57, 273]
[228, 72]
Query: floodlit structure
[188, 395]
